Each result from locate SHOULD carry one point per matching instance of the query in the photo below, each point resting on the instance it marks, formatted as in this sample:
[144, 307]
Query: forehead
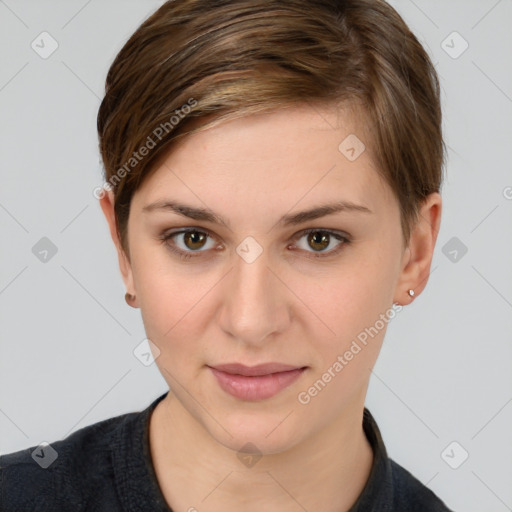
[281, 133]
[303, 153]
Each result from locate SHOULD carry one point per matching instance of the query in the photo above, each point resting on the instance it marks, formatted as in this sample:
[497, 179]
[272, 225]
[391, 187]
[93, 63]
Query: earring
[411, 293]
[129, 298]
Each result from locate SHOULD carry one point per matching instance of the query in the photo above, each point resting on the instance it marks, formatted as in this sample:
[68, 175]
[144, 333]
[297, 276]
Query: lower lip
[256, 388]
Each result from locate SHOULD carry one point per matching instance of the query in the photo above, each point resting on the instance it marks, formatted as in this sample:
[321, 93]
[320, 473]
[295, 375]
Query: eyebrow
[291, 219]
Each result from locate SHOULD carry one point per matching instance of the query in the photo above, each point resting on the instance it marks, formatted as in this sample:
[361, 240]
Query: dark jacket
[106, 467]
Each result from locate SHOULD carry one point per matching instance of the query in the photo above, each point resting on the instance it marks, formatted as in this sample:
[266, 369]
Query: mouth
[254, 383]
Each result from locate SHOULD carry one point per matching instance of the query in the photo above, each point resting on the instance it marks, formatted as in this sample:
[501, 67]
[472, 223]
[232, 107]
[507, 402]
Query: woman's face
[257, 288]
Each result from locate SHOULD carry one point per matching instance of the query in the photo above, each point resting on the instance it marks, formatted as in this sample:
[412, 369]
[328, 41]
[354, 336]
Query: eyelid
[341, 236]
[167, 235]
[333, 232]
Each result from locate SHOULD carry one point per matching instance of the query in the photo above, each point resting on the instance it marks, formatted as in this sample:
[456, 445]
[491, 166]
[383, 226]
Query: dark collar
[379, 487]
[138, 486]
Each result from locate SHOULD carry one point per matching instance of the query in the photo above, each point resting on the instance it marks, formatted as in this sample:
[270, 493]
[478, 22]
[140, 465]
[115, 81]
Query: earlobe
[107, 206]
[418, 255]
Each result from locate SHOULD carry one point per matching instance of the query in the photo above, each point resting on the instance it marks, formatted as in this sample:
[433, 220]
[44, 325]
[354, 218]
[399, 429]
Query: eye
[189, 241]
[193, 242]
[319, 240]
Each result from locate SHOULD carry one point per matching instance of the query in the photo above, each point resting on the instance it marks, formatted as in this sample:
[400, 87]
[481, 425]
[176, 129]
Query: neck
[327, 471]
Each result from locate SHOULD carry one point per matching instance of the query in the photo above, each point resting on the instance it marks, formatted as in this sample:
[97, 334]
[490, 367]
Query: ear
[107, 205]
[417, 257]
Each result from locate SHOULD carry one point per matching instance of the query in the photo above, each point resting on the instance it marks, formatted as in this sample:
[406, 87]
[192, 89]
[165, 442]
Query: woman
[272, 189]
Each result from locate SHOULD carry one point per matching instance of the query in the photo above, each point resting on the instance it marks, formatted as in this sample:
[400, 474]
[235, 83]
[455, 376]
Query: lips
[254, 383]
[254, 371]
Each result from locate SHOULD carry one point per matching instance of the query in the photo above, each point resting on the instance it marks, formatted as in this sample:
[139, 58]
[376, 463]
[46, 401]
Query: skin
[286, 306]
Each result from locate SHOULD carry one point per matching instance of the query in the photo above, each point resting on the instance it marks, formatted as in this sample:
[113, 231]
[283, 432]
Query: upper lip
[254, 371]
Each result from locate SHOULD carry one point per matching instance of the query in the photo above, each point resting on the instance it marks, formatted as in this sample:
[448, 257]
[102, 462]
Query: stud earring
[411, 293]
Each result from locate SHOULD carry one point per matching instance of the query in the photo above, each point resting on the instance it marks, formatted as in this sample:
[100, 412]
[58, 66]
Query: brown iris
[194, 239]
[318, 239]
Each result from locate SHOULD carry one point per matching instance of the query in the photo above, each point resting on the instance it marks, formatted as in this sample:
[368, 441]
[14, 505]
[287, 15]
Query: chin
[262, 431]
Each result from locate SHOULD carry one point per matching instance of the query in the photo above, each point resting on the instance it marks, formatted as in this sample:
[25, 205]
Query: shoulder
[410, 494]
[63, 473]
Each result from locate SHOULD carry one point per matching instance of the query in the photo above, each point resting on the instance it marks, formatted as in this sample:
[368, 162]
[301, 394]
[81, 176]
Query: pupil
[322, 239]
[195, 238]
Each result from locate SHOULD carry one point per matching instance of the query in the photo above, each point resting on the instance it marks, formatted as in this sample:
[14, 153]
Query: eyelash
[184, 255]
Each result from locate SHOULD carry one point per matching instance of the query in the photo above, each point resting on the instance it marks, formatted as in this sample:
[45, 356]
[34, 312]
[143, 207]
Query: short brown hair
[226, 59]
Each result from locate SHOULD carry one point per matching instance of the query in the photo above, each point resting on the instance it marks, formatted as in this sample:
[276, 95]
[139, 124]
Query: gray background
[67, 336]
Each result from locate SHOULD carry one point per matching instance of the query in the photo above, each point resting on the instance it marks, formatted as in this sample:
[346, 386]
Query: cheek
[347, 299]
[359, 315]
[353, 308]
[170, 301]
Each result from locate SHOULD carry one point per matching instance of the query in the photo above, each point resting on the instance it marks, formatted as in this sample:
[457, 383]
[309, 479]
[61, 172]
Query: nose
[254, 301]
